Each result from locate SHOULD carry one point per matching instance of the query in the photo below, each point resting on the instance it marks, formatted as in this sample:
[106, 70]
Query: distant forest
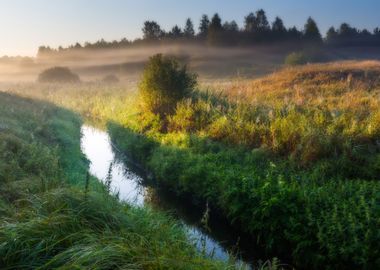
[256, 30]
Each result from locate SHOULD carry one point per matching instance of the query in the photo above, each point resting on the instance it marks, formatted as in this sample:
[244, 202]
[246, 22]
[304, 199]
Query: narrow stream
[129, 186]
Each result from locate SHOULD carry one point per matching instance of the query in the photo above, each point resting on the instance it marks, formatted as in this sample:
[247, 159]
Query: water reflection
[129, 186]
[96, 145]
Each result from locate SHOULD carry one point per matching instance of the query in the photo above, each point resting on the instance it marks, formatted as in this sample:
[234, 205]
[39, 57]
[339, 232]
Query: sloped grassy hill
[50, 218]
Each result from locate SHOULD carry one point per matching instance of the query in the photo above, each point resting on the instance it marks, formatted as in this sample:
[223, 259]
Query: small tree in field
[164, 83]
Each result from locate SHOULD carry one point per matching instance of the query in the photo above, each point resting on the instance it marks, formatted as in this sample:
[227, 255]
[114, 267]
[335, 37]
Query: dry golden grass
[344, 85]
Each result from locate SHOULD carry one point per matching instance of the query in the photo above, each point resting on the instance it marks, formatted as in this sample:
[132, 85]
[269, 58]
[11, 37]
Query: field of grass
[292, 158]
[53, 216]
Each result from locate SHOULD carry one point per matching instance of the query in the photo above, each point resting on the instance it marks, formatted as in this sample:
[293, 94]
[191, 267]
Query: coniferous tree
[230, 33]
[189, 29]
[311, 32]
[216, 23]
[215, 30]
[346, 34]
[256, 29]
[77, 46]
[44, 50]
[278, 29]
[176, 32]
[262, 24]
[346, 31]
[294, 34]
[278, 26]
[256, 26]
[331, 36]
[376, 34]
[376, 31]
[152, 30]
[203, 26]
[249, 22]
[231, 26]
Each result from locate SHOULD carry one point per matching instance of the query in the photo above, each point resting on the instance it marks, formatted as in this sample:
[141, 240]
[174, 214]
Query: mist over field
[244, 143]
[209, 62]
[128, 63]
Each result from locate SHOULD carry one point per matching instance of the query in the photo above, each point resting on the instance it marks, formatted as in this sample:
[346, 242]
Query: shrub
[58, 75]
[295, 59]
[164, 83]
[110, 79]
[311, 55]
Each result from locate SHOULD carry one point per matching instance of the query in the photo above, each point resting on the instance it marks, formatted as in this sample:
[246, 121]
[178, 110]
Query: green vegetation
[58, 75]
[53, 216]
[300, 174]
[311, 55]
[164, 84]
[293, 158]
[296, 58]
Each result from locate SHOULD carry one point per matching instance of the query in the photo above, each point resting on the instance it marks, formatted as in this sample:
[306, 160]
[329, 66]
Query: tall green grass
[50, 220]
[330, 224]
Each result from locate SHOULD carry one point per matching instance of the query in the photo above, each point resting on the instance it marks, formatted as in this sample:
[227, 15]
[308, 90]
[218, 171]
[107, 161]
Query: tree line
[256, 30]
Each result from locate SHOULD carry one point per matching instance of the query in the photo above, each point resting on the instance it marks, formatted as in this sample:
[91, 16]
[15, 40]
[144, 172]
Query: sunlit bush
[164, 83]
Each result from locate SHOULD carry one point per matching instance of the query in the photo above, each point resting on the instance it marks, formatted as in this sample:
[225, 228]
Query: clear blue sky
[26, 24]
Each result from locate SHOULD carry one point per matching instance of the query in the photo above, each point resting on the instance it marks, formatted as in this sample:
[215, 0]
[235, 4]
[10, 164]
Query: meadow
[54, 215]
[292, 158]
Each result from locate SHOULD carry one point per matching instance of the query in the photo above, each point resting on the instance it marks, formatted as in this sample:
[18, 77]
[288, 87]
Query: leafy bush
[311, 55]
[110, 79]
[58, 75]
[296, 58]
[164, 83]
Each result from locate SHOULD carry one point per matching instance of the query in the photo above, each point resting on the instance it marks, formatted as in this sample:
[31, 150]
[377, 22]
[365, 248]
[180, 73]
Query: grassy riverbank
[50, 217]
[293, 158]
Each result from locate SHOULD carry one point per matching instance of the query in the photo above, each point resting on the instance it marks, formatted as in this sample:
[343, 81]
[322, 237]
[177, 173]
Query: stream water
[217, 239]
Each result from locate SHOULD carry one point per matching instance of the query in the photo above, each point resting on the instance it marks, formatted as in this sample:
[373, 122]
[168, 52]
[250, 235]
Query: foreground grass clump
[49, 219]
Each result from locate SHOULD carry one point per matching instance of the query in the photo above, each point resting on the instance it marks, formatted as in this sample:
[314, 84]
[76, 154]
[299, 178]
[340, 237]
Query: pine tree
[331, 36]
[215, 30]
[249, 22]
[278, 26]
[176, 32]
[203, 26]
[152, 30]
[189, 29]
[311, 32]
